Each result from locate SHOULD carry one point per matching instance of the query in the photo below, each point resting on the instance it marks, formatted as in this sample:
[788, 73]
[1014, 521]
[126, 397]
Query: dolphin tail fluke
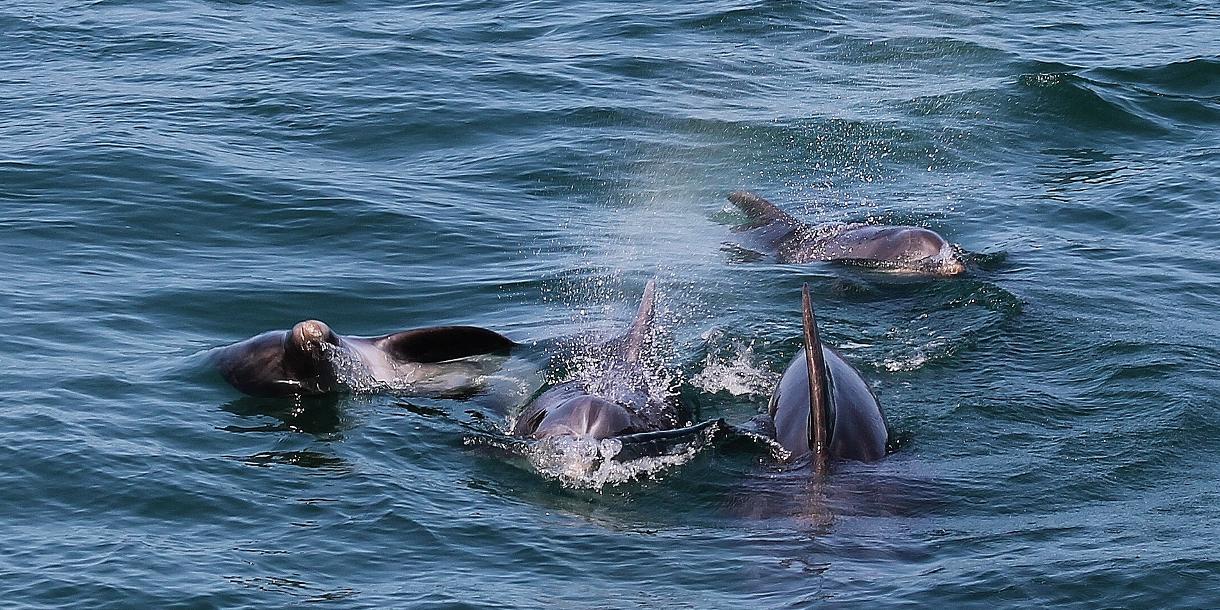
[819, 424]
[442, 343]
[641, 328]
[759, 209]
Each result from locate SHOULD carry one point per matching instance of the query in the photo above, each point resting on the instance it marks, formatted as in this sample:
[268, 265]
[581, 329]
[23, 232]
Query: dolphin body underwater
[899, 248]
[616, 401]
[310, 359]
[823, 408]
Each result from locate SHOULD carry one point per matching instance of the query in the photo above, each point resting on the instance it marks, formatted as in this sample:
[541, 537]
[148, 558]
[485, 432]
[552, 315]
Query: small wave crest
[1094, 103]
[913, 361]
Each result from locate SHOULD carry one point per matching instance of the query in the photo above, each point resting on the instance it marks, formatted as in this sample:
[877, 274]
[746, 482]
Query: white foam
[909, 363]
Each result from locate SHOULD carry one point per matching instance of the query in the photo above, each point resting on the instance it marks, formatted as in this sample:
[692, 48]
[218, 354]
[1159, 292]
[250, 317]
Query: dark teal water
[178, 175]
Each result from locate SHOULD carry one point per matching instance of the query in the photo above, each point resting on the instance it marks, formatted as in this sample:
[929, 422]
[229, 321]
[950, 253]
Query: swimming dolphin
[893, 247]
[307, 358]
[822, 407]
[616, 401]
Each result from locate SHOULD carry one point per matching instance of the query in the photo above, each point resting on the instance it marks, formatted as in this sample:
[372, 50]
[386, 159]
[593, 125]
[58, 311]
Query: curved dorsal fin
[641, 328]
[759, 209]
[441, 343]
[819, 397]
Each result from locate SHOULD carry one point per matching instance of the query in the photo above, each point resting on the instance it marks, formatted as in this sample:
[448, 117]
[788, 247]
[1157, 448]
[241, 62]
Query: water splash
[910, 362]
[456, 378]
[589, 464]
[594, 359]
[736, 373]
[350, 371]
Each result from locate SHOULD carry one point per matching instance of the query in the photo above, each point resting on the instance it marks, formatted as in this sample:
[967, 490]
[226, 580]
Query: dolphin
[616, 401]
[891, 247]
[823, 408]
[310, 358]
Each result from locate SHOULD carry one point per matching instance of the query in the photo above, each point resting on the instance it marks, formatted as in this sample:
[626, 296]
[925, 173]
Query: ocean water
[177, 175]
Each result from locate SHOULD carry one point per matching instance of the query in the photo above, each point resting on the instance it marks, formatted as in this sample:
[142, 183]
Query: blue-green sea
[177, 175]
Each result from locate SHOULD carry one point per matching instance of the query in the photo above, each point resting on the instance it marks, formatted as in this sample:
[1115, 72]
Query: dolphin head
[306, 353]
[585, 416]
[919, 248]
[896, 247]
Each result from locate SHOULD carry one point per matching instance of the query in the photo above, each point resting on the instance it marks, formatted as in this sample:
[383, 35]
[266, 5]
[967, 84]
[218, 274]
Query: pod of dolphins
[822, 410]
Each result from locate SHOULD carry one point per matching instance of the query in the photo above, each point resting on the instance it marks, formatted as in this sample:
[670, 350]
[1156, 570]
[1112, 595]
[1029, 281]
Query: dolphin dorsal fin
[759, 209]
[819, 425]
[442, 343]
[641, 328]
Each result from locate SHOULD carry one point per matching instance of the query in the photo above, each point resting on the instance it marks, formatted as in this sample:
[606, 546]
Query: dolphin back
[822, 406]
[858, 430]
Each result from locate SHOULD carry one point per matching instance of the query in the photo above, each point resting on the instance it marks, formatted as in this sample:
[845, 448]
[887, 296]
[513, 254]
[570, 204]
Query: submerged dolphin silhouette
[886, 246]
[303, 360]
[822, 407]
[614, 402]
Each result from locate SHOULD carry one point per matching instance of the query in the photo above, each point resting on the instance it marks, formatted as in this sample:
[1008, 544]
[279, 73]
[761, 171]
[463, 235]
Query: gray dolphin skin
[901, 248]
[616, 401]
[304, 359]
[822, 407]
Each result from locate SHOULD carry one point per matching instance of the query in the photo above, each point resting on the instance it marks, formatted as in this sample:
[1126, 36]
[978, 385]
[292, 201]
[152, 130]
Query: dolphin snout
[947, 262]
[587, 417]
[311, 334]
[952, 266]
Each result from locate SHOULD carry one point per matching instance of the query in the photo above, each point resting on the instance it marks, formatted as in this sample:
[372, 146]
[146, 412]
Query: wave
[1151, 101]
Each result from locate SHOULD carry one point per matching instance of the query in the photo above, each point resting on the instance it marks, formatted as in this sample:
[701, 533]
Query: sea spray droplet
[449, 378]
[349, 370]
[735, 373]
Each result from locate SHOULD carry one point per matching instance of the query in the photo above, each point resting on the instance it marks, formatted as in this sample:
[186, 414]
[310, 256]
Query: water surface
[178, 175]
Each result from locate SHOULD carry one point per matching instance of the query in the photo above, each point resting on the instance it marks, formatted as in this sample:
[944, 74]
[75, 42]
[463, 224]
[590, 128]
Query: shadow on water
[303, 458]
[776, 490]
[318, 415]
